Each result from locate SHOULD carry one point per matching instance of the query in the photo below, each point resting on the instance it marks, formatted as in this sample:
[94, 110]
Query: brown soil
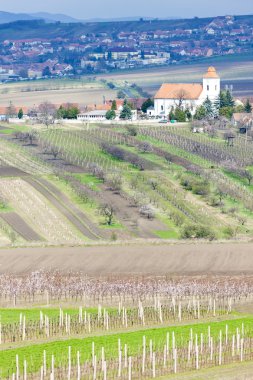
[20, 226]
[9, 171]
[140, 258]
[65, 206]
[130, 216]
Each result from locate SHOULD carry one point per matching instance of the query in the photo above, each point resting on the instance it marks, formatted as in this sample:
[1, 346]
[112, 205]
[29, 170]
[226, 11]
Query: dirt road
[20, 226]
[142, 258]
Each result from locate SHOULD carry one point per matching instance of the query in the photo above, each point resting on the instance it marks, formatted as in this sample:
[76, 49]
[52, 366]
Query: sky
[85, 9]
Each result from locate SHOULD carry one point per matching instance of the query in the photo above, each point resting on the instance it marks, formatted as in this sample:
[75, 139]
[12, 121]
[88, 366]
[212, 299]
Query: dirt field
[232, 72]
[79, 95]
[141, 258]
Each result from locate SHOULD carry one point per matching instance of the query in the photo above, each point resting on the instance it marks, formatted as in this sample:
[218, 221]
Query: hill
[8, 17]
[32, 28]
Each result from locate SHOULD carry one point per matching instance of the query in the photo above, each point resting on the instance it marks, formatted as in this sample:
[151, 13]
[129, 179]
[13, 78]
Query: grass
[34, 353]
[33, 314]
[90, 180]
[169, 234]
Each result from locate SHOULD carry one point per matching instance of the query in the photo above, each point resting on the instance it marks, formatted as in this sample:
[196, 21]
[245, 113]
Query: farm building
[187, 95]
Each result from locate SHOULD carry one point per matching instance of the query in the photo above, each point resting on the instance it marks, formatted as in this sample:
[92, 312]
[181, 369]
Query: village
[151, 44]
[172, 103]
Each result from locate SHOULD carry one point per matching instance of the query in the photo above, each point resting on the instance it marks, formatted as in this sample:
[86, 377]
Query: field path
[65, 206]
[20, 226]
[141, 258]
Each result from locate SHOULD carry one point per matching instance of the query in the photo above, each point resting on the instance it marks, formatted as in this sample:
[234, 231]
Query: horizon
[94, 10]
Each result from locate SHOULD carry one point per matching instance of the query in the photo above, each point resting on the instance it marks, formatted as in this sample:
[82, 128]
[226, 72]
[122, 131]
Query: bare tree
[11, 111]
[54, 151]
[181, 96]
[145, 147]
[153, 183]
[46, 114]
[247, 175]
[31, 136]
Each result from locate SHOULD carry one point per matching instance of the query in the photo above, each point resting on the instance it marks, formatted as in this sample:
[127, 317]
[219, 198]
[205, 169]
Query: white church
[187, 95]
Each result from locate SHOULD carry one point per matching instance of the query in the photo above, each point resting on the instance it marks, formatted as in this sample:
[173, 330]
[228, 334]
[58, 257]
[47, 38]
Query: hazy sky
[84, 9]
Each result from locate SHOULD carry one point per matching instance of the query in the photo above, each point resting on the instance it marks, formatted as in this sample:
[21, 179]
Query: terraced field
[160, 184]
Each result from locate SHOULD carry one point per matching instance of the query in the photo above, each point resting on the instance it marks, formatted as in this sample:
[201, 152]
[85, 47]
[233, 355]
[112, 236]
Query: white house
[187, 95]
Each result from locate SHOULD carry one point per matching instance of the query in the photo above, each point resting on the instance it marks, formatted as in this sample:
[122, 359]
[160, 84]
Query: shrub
[196, 231]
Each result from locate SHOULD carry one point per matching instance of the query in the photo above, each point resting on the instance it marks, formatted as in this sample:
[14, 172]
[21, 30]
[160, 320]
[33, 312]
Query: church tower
[211, 84]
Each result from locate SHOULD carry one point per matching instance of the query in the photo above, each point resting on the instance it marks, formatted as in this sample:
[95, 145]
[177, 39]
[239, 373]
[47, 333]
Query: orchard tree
[107, 211]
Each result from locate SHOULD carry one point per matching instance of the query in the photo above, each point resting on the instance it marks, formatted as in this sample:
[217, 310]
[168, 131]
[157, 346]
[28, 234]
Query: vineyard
[99, 193]
[69, 326]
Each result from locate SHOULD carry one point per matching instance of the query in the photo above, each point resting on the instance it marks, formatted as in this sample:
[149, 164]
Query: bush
[201, 188]
[196, 185]
[196, 231]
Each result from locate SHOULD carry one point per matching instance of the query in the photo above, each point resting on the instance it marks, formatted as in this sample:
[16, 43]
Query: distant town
[82, 50]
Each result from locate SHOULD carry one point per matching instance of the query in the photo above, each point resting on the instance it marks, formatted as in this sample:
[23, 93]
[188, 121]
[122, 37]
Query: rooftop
[187, 91]
[211, 73]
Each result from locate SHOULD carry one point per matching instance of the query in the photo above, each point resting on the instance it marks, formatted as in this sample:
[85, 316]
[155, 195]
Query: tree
[47, 113]
[110, 115]
[107, 211]
[11, 111]
[247, 175]
[115, 182]
[200, 113]
[20, 114]
[114, 105]
[148, 103]
[221, 194]
[208, 105]
[180, 115]
[172, 114]
[248, 107]
[31, 136]
[239, 109]
[145, 147]
[126, 113]
[147, 211]
[181, 96]
[54, 151]
[68, 112]
[227, 112]
[229, 99]
[46, 72]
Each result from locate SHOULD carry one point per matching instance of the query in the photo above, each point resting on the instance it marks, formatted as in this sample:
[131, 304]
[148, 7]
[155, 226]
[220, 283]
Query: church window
[161, 108]
[208, 87]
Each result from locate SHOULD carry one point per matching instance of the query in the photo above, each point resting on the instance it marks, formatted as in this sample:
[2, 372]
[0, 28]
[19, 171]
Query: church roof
[211, 73]
[189, 91]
